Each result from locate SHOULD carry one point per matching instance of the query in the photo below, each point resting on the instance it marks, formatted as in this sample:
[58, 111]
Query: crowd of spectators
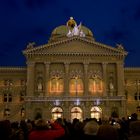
[61, 129]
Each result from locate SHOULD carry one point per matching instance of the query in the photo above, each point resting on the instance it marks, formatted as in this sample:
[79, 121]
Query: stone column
[120, 78]
[30, 78]
[104, 65]
[124, 108]
[85, 79]
[107, 108]
[47, 76]
[66, 80]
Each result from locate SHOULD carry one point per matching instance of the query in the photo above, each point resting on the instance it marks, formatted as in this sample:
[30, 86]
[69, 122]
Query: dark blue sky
[111, 21]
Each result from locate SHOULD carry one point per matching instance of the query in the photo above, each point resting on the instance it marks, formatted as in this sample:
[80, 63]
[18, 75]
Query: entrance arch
[76, 112]
[57, 112]
[96, 112]
[38, 113]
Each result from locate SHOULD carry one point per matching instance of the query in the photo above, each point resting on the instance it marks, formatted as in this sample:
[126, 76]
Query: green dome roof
[64, 29]
[71, 29]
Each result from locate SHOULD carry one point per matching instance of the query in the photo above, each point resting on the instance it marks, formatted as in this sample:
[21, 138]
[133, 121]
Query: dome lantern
[71, 22]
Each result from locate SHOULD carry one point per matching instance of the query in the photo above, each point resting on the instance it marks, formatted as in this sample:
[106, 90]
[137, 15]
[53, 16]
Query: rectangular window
[5, 98]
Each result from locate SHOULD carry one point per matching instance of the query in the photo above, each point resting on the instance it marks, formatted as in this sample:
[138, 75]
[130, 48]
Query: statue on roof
[76, 30]
[71, 22]
[120, 46]
[31, 45]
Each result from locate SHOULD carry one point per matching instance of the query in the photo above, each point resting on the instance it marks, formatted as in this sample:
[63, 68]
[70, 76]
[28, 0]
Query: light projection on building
[95, 84]
[76, 86]
[56, 85]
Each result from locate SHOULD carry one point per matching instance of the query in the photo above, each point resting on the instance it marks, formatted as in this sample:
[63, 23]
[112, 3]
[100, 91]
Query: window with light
[95, 85]
[76, 86]
[56, 85]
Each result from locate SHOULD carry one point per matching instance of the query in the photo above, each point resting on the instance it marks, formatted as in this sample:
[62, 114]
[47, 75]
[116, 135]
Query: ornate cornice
[127, 69]
[12, 69]
[113, 51]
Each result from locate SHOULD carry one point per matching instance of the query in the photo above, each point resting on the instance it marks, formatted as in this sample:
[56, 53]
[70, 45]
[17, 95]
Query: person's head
[91, 128]
[40, 124]
[135, 127]
[107, 131]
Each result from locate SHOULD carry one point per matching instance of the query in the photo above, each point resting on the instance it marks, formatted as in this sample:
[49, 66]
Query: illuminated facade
[72, 76]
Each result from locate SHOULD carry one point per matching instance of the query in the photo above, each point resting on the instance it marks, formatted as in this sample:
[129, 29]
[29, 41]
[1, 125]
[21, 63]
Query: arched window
[56, 85]
[95, 85]
[96, 112]
[57, 112]
[76, 112]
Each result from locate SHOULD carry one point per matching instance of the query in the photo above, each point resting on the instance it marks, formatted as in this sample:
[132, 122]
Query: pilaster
[120, 78]
[47, 76]
[86, 79]
[66, 79]
[104, 66]
[30, 78]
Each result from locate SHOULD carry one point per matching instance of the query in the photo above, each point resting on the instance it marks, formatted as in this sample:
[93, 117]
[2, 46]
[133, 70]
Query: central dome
[63, 30]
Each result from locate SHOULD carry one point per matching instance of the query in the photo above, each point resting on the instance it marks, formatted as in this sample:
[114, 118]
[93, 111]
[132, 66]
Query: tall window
[76, 86]
[136, 96]
[95, 85]
[56, 85]
[22, 94]
[7, 97]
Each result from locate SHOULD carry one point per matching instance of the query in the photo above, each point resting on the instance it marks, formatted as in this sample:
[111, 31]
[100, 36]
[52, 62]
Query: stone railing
[72, 98]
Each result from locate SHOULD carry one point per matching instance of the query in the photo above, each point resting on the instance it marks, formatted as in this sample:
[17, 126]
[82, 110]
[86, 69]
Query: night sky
[111, 21]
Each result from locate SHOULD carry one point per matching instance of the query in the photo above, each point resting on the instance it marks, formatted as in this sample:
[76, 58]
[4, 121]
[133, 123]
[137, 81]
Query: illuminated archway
[76, 112]
[96, 112]
[57, 112]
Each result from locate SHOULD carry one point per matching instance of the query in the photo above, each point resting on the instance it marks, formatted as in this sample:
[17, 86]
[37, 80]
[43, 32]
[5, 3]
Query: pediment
[76, 45]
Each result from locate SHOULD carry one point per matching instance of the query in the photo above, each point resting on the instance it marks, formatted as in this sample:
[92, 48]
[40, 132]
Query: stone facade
[70, 77]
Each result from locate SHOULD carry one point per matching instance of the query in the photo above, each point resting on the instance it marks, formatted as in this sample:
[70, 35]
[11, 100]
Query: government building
[72, 76]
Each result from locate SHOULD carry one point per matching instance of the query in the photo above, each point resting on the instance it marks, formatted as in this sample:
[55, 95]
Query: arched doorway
[38, 113]
[114, 112]
[96, 112]
[76, 112]
[57, 112]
